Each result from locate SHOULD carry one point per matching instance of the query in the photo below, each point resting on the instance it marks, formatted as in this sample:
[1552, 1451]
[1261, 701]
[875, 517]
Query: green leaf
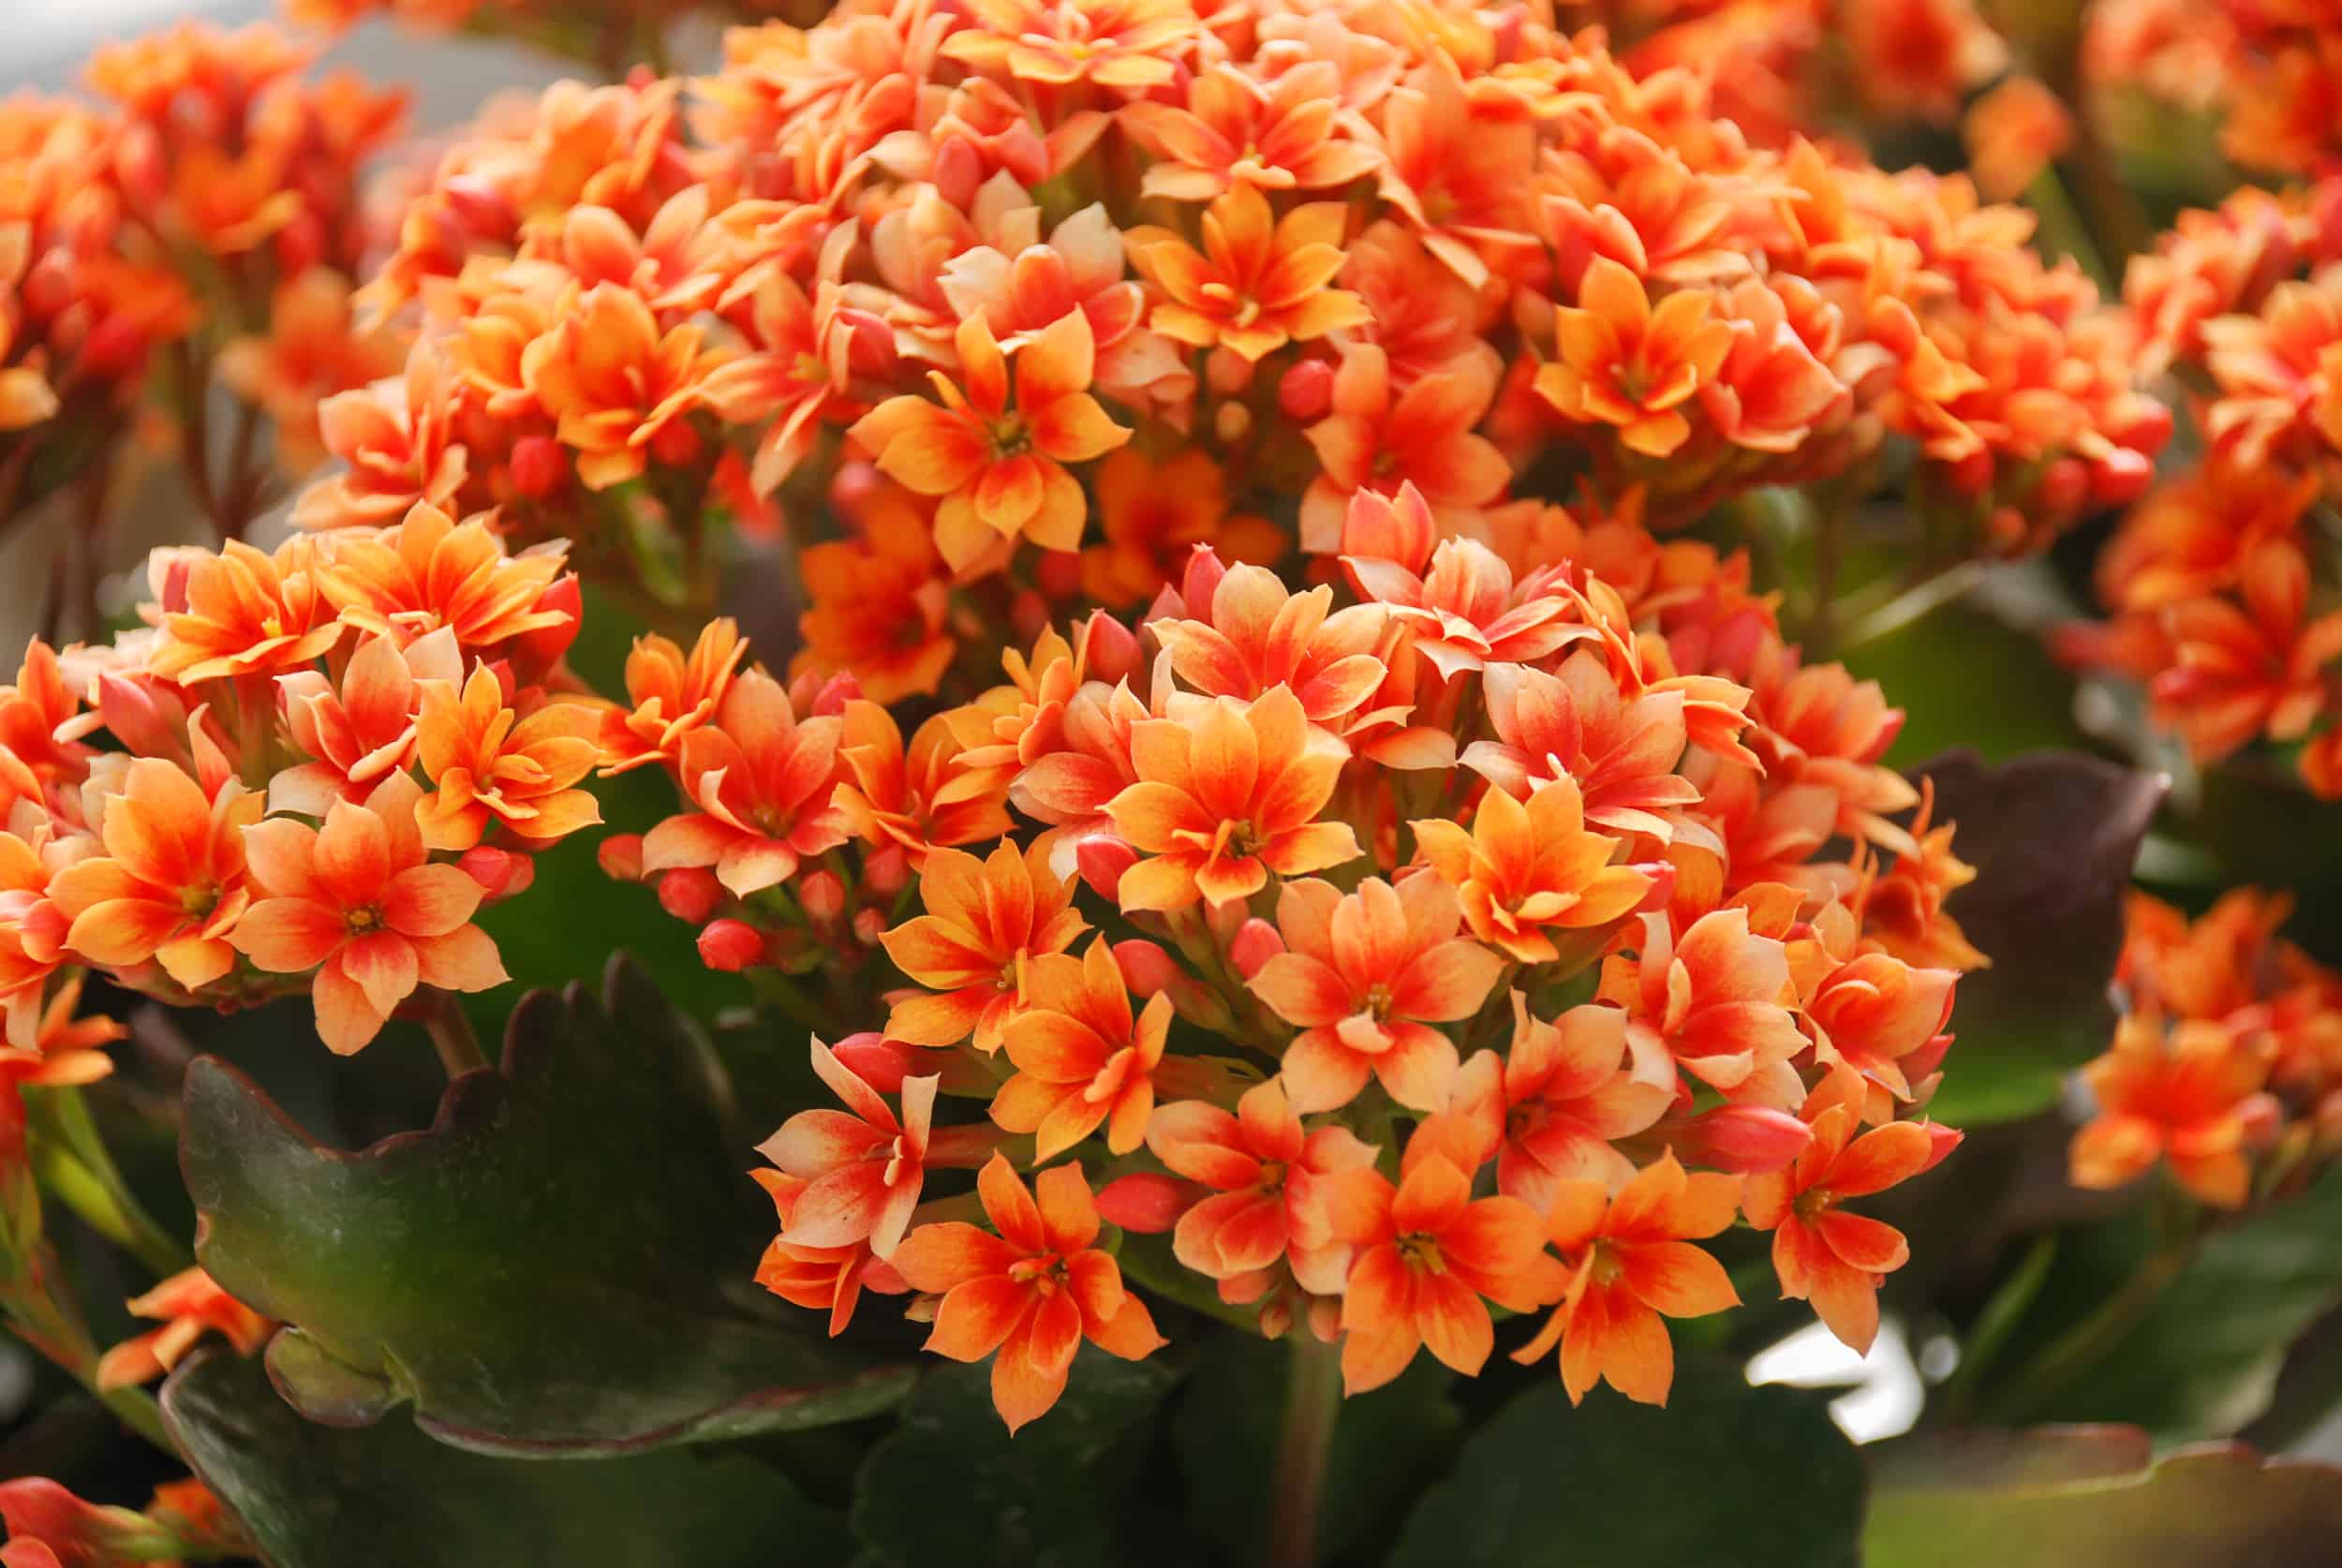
[950, 1486]
[2052, 837]
[1965, 679]
[2057, 1496]
[2203, 1359]
[1230, 1414]
[562, 1262]
[389, 1497]
[1726, 1476]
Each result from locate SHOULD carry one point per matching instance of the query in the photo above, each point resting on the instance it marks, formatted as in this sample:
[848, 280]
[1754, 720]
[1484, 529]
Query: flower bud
[1255, 942]
[620, 856]
[1231, 421]
[1102, 859]
[539, 466]
[676, 445]
[729, 946]
[1146, 1203]
[869, 926]
[887, 871]
[1746, 1139]
[1227, 373]
[1306, 391]
[500, 873]
[822, 896]
[878, 1061]
[1113, 647]
[690, 894]
[1146, 968]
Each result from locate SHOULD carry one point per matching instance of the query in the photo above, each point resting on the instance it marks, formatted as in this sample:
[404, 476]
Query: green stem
[452, 1033]
[77, 1170]
[1930, 593]
[1312, 1409]
[2089, 1341]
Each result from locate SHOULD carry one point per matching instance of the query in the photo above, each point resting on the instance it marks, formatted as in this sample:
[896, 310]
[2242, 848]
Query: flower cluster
[1018, 256]
[321, 762]
[1461, 937]
[2221, 602]
[2271, 73]
[2227, 1061]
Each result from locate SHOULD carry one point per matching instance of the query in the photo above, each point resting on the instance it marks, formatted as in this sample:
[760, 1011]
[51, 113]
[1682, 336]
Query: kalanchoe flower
[1632, 1264]
[670, 694]
[1427, 1253]
[189, 1305]
[763, 781]
[2190, 1093]
[493, 766]
[1823, 1253]
[1526, 872]
[1264, 1174]
[1082, 1061]
[171, 885]
[1365, 975]
[1029, 1294]
[357, 902]
[987, 922]
[862, 1166]
[1227, 795]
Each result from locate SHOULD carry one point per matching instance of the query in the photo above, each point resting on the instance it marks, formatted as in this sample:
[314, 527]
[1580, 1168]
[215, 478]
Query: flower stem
[2089, 1341]
[76, 1169]
[452, 1033]
[1312, 1406]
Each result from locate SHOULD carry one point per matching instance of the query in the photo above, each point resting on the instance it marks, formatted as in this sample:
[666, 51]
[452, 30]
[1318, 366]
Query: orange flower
[363, 732]
[1260, 281]
[999, 470]
[2013, 132]
[357, 902]
[1626, 362]
[488, 764]
[2279, 372]
[763, 781]
[170, 885]
[32, 928]
[1822, 1253]
[1770, 390]
[1381, 436]
[397, 440]
[1228, 792]
[1032, 1293]
[1904, 911]
[912, 801]
[879, 605]
[1576, 724]
[1714, 1001]
[1561, 1098]
[240, 612]
[1875, 1013]
[1364, 976]
[987, 922]
[2193, 1097]
[672, 695]
[1155, 515]
[613, 381]
[1081, 1060]
[189, 1305]
[313, 351]
[862, 1166]
[1244, 633]
[1523, 869]
[64, 1049]
[430, 572]
[1232, 130]
[1466, 611]
[1427, 1253]
[819, 1279]
[2242, 673]
[1114, 43]
[1632, 1265]
[1915, 57]
[1264, 1174]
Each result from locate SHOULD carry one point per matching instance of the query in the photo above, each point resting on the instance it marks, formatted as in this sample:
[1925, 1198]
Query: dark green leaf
[2203, 1359]
[2052, 837]
[561, 1262]
[1230, 1414]
[388, 1497]
[2058, 1497]
[950, 1487]
[1726, 1476]
[1965, 679]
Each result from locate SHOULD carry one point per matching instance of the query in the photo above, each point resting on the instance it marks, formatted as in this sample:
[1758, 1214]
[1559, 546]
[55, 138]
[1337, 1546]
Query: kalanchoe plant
[1200, 709]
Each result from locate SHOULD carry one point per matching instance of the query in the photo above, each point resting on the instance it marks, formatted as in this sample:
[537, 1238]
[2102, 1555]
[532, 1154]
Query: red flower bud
[539, 466]
[824, 897]
[500, 873]
[1146, 968]
[1256, 942]
[731, 946]
[1102, 859]
[620, 856]
[1147, 1202]
[1307, 390]
[690, 894]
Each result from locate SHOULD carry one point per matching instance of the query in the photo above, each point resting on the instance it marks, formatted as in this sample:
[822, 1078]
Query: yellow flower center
[1421, 1253]
[361, 921]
